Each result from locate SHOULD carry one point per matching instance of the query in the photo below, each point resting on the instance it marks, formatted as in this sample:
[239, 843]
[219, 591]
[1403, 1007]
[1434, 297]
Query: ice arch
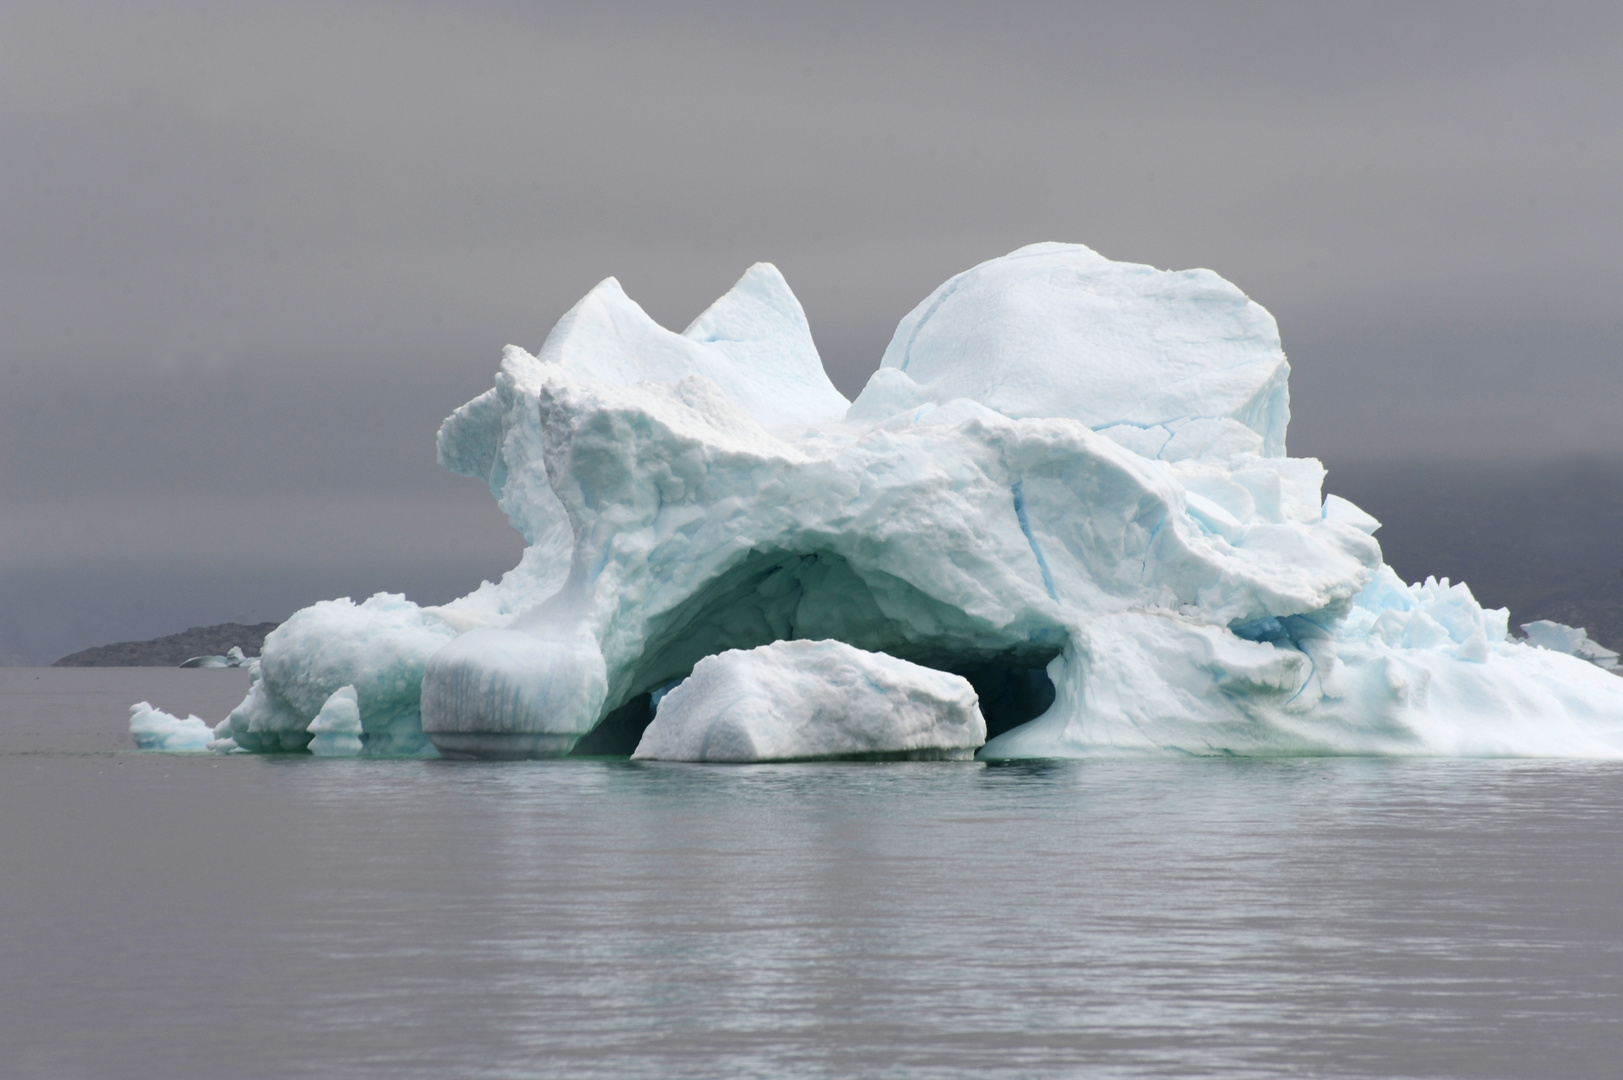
[762, 597]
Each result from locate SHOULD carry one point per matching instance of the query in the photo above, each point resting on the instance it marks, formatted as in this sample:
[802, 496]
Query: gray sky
[250, 255]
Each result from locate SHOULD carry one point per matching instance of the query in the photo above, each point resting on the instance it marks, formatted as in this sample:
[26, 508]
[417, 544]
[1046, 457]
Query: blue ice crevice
[1283, 633]
[1019, 492]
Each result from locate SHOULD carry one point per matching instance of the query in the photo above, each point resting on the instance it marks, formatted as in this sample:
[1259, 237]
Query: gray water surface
[173, 917]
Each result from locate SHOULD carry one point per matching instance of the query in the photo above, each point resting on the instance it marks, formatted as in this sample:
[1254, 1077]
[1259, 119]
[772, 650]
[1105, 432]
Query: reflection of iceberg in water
[1067, 481]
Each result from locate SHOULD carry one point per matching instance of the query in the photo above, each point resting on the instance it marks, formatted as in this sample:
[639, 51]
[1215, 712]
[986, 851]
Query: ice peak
[753, 343]
[759, 305]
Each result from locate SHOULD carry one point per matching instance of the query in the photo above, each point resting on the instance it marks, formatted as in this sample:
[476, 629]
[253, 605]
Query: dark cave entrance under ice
[778, 596]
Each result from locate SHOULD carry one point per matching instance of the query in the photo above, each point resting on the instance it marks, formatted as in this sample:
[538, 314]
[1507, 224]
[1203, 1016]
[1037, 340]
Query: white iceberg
[1572, 640]
[811, 700]
[1068, 476]
[154, 729]
[234, 657]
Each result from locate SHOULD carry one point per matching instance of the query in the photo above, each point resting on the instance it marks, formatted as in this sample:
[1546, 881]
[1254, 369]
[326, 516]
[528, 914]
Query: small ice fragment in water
[154, 729]
[1572, 640]
[804, 700]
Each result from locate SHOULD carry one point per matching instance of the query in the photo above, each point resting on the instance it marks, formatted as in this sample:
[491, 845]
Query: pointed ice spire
[753, 343]
[608, 338]
[761, 329]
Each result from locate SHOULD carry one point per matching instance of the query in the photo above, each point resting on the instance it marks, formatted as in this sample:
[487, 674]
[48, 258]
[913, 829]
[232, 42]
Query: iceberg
[1572, 640]
[154, 729]
[234, 657]
[1067, 482]
[814, 700]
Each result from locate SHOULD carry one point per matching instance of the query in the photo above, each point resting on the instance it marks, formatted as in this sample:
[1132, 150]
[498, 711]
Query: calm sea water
[172, 917]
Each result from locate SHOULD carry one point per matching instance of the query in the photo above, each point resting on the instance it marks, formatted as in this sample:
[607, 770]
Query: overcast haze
[251, 255]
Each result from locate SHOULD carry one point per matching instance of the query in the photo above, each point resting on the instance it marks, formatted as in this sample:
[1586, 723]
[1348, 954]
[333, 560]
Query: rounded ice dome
[1058, 330]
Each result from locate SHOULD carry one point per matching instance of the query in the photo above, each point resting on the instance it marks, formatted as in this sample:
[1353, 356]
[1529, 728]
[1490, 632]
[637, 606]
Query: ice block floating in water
[1572, 640]
[813, 700]
[1067, 471]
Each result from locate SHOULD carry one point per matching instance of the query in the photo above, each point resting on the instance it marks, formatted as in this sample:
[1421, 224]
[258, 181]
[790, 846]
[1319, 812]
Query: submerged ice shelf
[1067, 482]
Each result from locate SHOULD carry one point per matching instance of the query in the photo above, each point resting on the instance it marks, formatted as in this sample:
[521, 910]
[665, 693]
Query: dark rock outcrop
[174, 650]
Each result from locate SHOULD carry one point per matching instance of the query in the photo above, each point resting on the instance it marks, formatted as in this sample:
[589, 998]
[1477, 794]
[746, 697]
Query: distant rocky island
[174, 650]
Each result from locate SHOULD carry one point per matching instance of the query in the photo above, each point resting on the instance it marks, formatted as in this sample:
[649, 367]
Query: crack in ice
[1019, 492]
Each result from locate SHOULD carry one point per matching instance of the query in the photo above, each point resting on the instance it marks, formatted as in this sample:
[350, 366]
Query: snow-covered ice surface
[1063, 463]
[809, 700]
[1058, 330]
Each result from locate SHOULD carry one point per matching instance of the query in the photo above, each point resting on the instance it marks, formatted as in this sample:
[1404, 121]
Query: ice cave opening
[771, 596]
